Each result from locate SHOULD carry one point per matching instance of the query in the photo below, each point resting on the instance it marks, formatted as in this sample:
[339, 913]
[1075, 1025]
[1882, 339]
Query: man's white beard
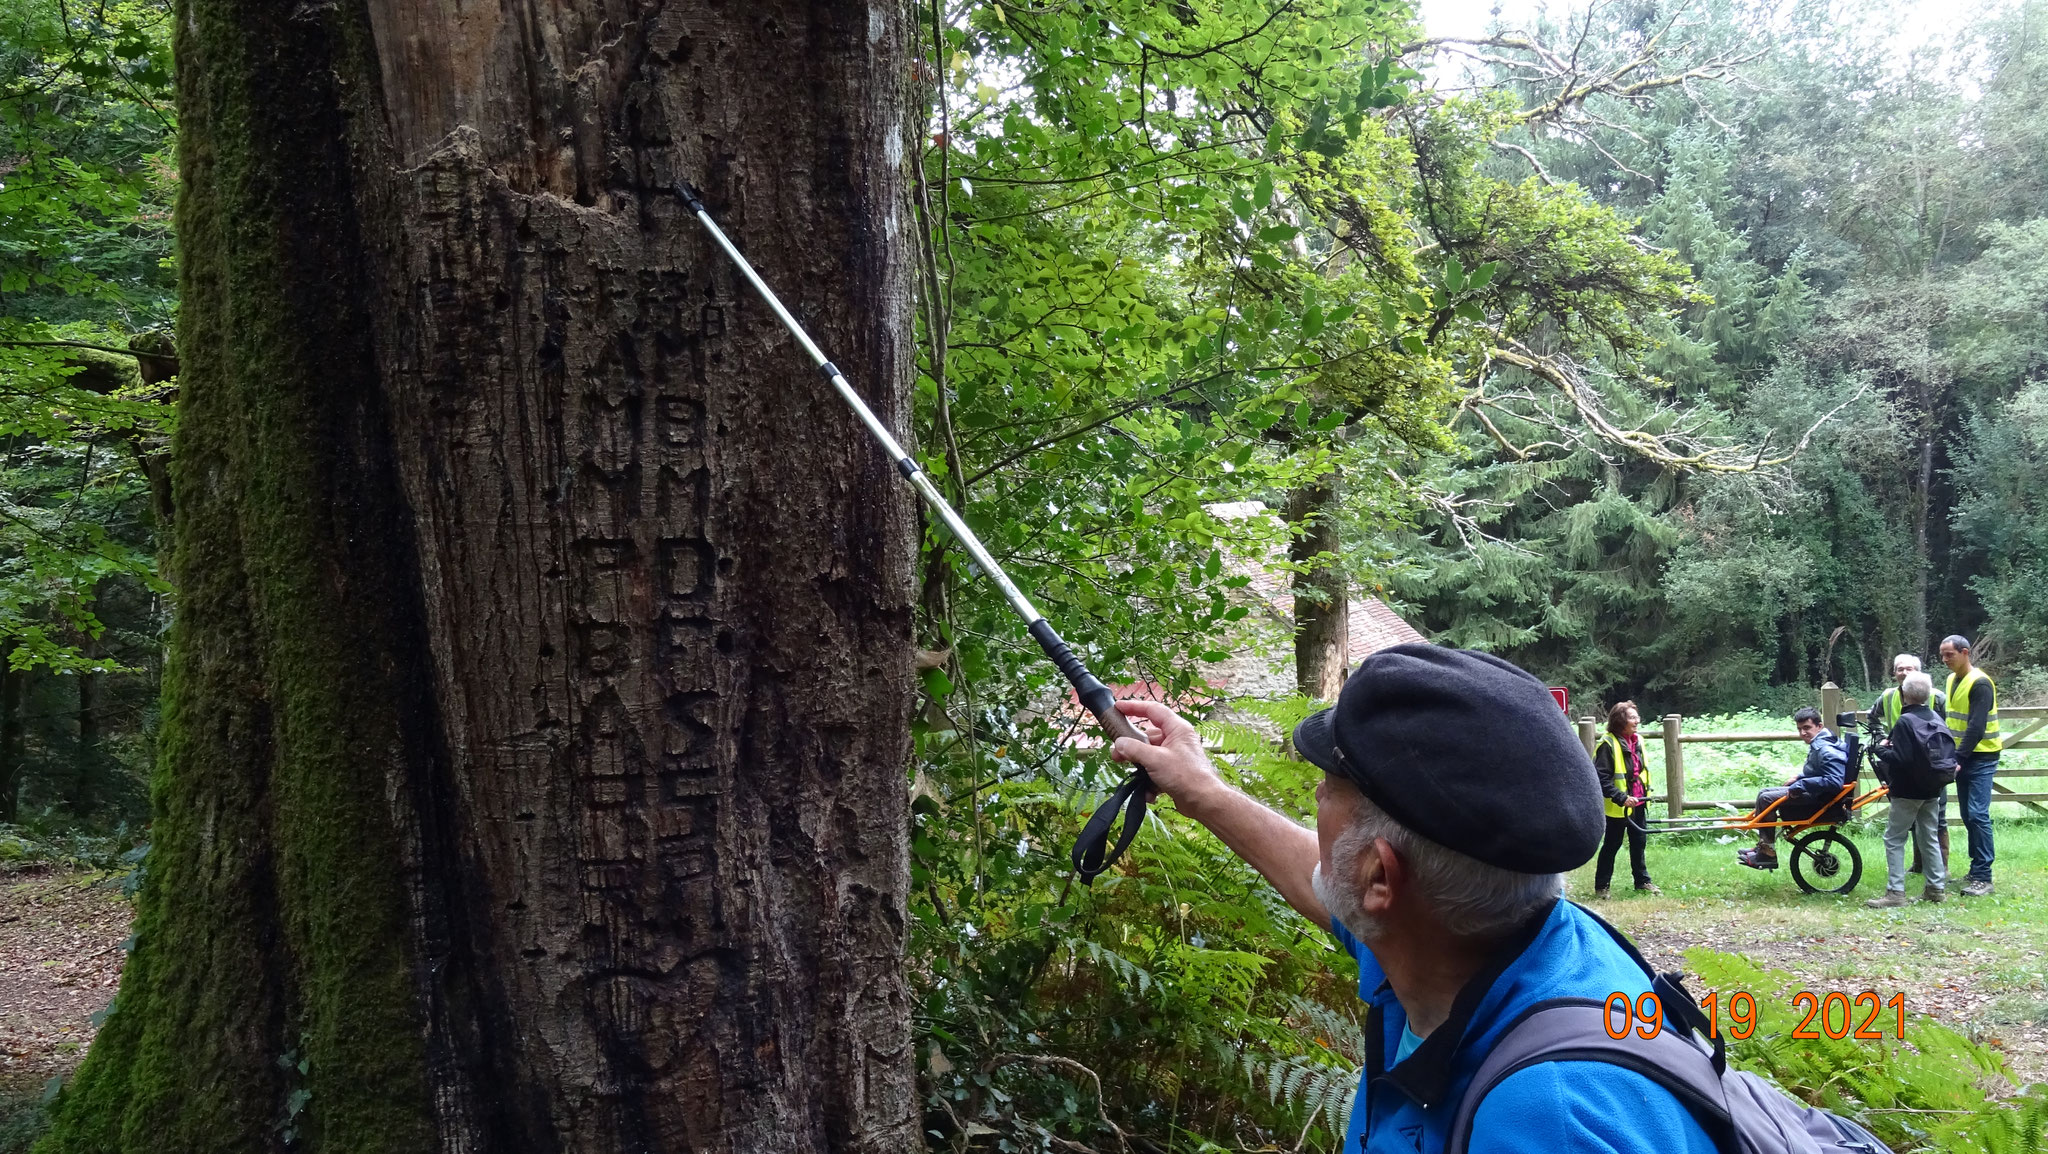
[1343, 902]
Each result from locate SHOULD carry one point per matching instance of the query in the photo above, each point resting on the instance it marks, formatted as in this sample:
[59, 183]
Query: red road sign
[1563, 696]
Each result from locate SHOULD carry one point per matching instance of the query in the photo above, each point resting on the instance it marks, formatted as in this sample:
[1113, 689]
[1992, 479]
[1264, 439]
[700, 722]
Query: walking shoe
[1649, 888]
[1931, 894]
[1891, 900]
[1976, 888]
[1603, 893]
[1757, 858]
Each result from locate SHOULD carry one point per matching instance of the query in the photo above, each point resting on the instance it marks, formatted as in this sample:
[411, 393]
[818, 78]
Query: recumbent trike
[1823, 859]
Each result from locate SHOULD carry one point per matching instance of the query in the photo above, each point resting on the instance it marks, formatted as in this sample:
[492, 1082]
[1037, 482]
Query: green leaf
[1278, 233]
[1312, 322]
[1413, 344]
[1454, 275]
[1415, 301]
[1262, 192]
[1483, 275]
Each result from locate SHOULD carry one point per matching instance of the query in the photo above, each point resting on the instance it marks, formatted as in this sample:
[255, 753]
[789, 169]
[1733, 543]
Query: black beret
[1467, 750]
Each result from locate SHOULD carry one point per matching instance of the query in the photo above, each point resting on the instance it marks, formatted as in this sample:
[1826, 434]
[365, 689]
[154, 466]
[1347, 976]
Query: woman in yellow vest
[1973, 718]
[1619, 759]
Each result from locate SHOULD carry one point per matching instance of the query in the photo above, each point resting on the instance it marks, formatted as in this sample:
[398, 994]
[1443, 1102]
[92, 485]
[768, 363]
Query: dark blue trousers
[1973, 792]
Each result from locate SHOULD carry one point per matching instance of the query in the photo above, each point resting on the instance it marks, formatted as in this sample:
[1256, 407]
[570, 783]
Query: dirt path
[61, 940]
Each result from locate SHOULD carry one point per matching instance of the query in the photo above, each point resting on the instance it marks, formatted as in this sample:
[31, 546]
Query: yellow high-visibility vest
[1620, 763]
[1892, 703]
[1959, 709]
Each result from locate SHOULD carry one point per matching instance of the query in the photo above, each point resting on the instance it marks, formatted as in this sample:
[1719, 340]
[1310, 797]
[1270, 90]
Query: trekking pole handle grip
[1093, 693]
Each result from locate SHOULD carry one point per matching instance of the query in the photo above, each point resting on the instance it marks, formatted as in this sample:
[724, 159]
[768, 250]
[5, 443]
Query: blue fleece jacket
[1550, 1108]
[1825, 769]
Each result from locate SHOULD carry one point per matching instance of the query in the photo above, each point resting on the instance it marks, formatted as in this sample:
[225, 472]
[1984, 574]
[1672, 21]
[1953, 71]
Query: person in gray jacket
[1919, 760]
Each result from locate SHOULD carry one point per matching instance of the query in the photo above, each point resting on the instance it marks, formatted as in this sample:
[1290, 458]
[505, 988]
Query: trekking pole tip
[690, 195]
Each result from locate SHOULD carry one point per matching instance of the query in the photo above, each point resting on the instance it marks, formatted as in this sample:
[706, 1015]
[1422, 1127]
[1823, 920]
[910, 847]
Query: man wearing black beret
[1455, 798]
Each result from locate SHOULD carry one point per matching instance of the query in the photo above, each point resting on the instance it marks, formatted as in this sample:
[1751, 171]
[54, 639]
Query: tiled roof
[1371, 624]
[1373, 627]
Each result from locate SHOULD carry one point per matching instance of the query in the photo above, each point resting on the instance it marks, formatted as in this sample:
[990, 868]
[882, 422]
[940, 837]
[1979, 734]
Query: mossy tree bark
[1322, 593]
[532, 758]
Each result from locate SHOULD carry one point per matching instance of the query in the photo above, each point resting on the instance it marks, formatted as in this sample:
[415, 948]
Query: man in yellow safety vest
[1973, 718]
[1885, 714]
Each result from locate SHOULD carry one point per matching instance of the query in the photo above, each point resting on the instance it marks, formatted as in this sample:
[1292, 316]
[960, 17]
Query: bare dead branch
[1525, 154]
[1684, 445]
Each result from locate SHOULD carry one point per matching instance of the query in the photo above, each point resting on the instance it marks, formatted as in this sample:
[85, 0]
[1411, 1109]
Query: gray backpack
[1742, 1113]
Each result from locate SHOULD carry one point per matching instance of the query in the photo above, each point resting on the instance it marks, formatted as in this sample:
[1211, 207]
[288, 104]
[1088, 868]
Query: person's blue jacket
[1826, 767]
[1549, 1108]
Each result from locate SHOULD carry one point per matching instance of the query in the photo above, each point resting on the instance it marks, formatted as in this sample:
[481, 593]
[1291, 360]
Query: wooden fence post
[1830, 704]
[1674, 766]
[1586, 737]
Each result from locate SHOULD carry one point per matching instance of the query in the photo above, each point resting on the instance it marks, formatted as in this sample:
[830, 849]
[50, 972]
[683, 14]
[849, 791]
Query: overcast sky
[1918, 18]
[1918, 21]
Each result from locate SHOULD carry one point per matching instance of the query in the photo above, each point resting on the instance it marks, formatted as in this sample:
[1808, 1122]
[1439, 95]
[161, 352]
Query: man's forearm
[1284, 852]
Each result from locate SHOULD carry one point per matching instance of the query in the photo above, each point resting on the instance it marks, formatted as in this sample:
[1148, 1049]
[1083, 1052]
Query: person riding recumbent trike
[1823, 859]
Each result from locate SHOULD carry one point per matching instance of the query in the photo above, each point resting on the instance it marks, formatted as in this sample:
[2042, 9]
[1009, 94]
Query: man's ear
[1382, 878]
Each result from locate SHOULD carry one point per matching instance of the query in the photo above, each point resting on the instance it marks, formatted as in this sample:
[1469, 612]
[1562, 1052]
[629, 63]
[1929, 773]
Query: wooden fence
[2018, 726]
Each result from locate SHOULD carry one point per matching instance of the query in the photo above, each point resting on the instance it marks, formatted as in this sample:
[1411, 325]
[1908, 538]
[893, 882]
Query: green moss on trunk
[274, 919]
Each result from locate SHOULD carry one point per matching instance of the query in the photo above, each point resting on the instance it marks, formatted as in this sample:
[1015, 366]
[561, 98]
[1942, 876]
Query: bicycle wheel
[1825, 862]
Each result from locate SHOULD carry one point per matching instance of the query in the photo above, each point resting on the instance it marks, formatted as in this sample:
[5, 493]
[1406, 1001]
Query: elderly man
[1973, 718]
[1454, 799]
[1885, 714]
[1816, 784]
[1919, 758]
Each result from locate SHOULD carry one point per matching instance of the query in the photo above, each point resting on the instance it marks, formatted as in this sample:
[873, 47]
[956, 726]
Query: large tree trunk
[13, 734]
[534, 740]
[1917, 632]
[86, 766]
[1322, 595]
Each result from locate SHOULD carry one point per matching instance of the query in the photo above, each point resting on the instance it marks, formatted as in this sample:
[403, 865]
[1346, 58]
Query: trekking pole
[1093, 851]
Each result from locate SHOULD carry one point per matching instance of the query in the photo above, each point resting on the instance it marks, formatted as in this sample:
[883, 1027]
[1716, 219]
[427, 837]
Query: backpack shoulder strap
[1576, 1030]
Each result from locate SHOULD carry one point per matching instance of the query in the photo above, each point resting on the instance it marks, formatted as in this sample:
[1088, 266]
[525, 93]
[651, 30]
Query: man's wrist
[1202, 797]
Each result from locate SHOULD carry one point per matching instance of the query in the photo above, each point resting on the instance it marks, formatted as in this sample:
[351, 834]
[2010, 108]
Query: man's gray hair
[1916, 688]
[1467, 896]
[1906, 659]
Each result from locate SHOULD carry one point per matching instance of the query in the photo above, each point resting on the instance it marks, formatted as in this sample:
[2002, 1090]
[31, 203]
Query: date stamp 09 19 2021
[1830, 1015]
